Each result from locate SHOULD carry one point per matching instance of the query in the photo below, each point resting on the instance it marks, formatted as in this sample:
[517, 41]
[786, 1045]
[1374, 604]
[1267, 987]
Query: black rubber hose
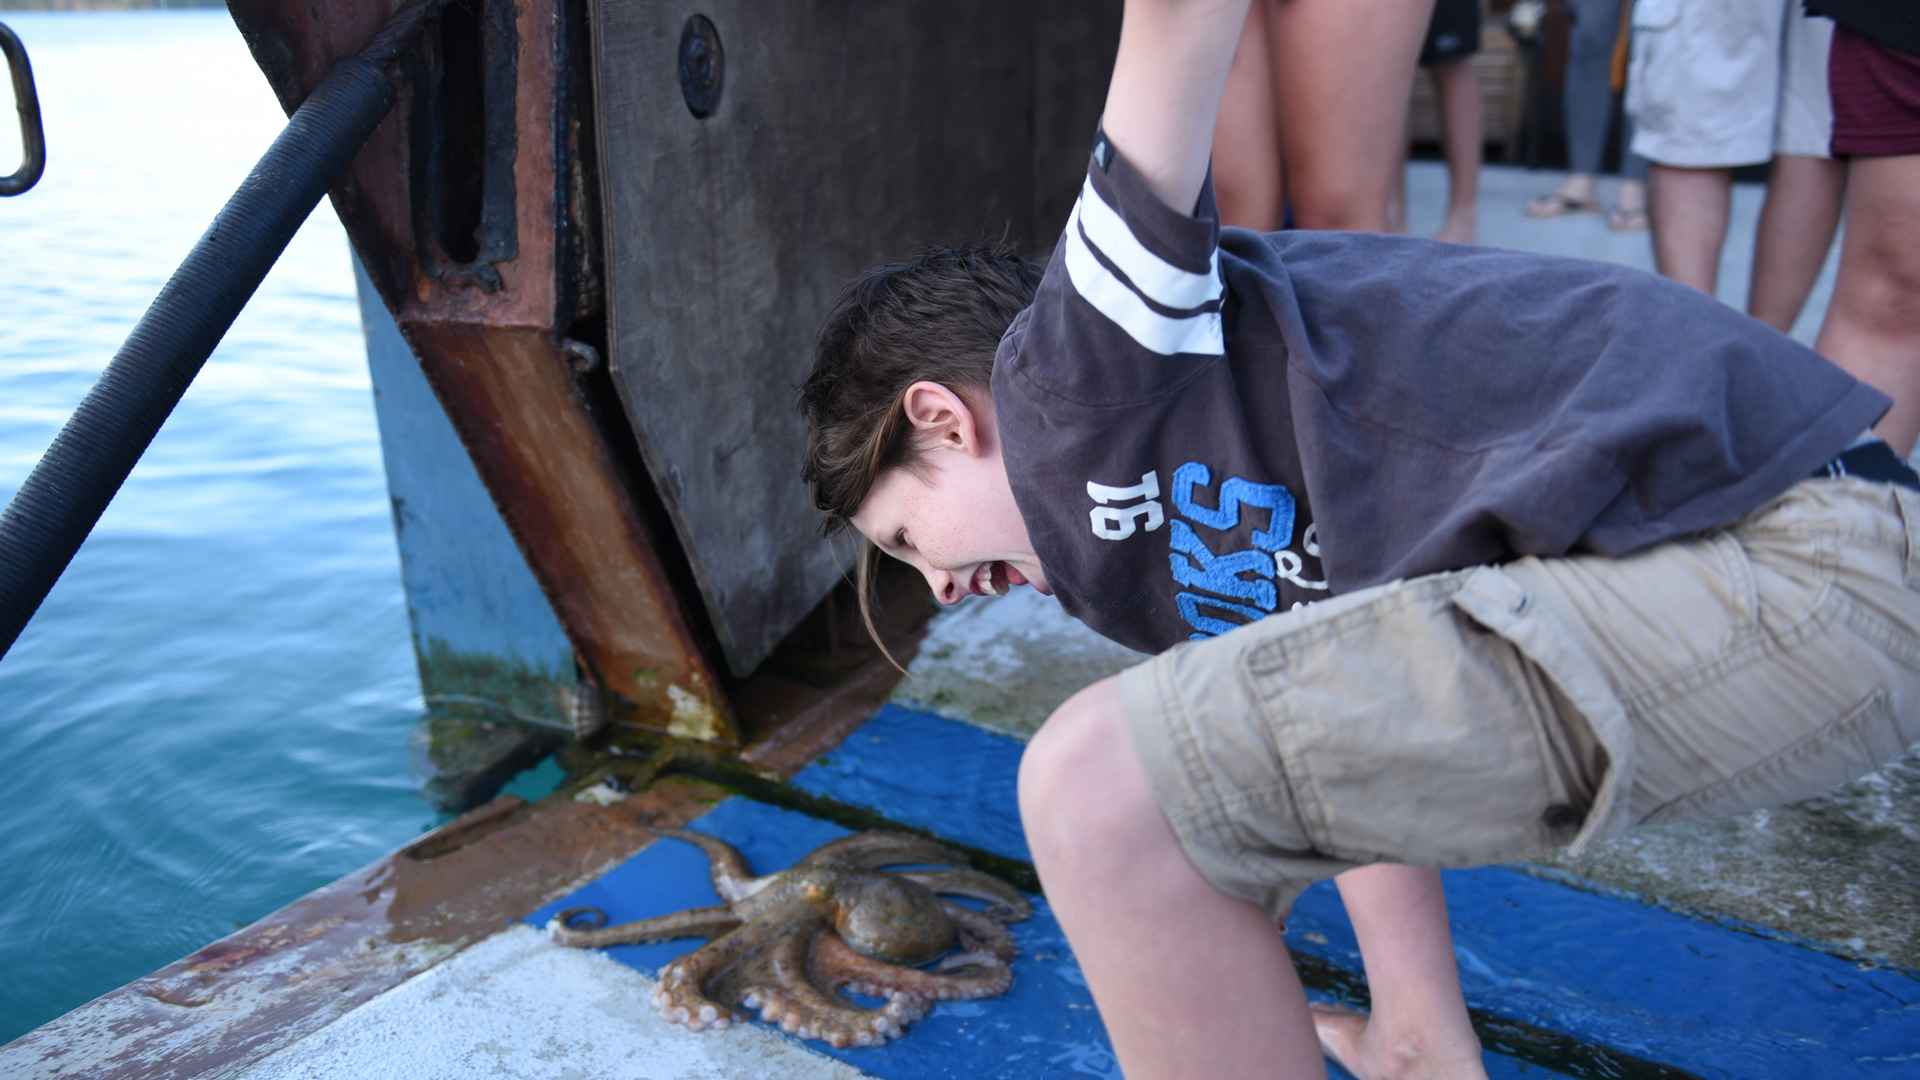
[52, 513]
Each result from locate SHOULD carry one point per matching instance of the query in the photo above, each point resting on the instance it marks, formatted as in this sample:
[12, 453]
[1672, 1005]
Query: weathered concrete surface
[517, 1005]
[1005, 664]
[1842, 870]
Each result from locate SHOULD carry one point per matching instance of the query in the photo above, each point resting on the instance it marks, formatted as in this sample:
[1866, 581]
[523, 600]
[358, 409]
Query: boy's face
[952, 517]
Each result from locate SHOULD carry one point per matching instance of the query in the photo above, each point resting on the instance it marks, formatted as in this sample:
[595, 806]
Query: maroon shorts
[1876, 97]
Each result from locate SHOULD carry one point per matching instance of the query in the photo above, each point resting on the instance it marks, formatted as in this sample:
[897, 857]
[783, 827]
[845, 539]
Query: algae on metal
[483, 684]
[487, 720]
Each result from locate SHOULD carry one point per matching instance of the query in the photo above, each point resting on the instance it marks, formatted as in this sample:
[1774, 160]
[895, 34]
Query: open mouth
[995, 579]
[992, 579]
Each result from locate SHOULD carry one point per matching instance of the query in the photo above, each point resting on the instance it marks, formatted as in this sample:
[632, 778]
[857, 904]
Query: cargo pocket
[1413, 727]
[1580, 711]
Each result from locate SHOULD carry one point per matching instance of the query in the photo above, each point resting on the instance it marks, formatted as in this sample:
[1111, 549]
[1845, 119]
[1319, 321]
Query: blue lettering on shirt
[1277, 500]
[1224, 579]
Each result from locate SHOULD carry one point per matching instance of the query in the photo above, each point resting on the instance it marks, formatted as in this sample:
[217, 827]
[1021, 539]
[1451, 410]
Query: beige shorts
[1494, 713]
[1723, 83]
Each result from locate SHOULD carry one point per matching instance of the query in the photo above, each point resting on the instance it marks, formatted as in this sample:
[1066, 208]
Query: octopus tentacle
[732, 878]
[1010, 905]
[961, 976]
[980, 932]
[874, 849]
[681, 996]
[793, 1001]
[695, 922]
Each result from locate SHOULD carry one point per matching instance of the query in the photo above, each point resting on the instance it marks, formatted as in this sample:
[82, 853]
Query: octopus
[791, 944]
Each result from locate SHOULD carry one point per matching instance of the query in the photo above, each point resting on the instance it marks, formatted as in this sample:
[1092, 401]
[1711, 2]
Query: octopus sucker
[787, 944]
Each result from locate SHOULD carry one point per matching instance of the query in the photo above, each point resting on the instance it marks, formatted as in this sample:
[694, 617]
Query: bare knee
[1053, 774]
[1083, 794]
[1878, 298]
[1357, 207]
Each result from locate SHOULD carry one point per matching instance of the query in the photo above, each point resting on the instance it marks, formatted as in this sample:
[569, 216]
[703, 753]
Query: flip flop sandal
[1558, 203]
[1627, 219]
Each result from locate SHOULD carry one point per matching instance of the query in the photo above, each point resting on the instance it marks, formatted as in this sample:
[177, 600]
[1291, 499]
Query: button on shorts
[1490, 714]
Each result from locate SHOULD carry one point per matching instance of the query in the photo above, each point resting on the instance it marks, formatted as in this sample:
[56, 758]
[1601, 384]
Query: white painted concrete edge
[518, 1006]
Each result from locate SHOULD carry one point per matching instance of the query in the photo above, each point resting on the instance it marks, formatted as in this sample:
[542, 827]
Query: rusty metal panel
[489, 285]
[835, 134]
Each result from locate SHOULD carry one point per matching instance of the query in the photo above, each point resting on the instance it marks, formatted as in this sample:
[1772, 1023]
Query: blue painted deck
[1694, 995]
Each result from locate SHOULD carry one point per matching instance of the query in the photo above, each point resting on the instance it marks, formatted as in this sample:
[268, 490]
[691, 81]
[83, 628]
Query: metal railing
[26, 101]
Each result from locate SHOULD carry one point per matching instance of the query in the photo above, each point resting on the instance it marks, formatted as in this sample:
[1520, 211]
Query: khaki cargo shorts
[1721, 83]
[1495, 713]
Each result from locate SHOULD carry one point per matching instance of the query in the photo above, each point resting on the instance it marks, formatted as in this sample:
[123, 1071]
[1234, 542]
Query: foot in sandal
[1573, 196]
[1629, 211]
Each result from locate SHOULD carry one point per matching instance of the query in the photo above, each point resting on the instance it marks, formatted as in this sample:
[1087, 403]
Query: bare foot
[1458, 230]
[1349, 1039]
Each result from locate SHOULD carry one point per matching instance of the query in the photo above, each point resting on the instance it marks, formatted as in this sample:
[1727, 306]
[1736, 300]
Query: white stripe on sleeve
[1157, 279]
[1110, 296]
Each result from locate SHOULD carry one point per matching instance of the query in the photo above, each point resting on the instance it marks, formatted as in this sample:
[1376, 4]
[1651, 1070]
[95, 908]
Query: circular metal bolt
[703, 66]
[584, 357]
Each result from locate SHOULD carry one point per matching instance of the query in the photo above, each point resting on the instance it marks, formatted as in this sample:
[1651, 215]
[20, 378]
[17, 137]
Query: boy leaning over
[1578, 548]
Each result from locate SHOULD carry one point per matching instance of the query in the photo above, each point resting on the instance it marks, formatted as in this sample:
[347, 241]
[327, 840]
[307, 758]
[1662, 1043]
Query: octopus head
[892, 919]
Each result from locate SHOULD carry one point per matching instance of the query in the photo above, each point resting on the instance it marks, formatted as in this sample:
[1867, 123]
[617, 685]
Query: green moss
[487, 688]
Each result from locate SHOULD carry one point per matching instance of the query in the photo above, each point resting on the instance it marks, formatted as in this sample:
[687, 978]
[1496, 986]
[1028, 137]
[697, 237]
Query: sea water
[211, 714]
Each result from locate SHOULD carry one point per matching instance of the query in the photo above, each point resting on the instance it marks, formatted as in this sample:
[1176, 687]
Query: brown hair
[937, 317]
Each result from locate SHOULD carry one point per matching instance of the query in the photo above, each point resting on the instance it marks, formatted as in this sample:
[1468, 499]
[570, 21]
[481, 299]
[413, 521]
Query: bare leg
[1247, 176]
[1797, 223]
[1873, 326]
[1188, 981]
[1458, 89]
[1343, 71]
[1419, 1025]
[1690, 209]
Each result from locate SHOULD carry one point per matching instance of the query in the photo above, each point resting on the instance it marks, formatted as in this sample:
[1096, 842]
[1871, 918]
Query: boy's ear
[942, 417]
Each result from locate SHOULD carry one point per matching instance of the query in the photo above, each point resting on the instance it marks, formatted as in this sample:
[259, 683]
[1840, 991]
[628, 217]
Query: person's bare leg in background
[1458, 90]
[1797, 224]
[1689, 208]
[1873, 325]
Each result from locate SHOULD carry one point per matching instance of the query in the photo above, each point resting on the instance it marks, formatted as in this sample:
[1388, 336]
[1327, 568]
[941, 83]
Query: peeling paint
[693, 716]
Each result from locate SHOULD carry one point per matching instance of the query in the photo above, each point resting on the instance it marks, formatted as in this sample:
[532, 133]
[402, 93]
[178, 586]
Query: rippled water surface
[210, 715]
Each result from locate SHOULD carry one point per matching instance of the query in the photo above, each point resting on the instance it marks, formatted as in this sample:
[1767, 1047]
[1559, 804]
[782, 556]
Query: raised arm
[1167, 80]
